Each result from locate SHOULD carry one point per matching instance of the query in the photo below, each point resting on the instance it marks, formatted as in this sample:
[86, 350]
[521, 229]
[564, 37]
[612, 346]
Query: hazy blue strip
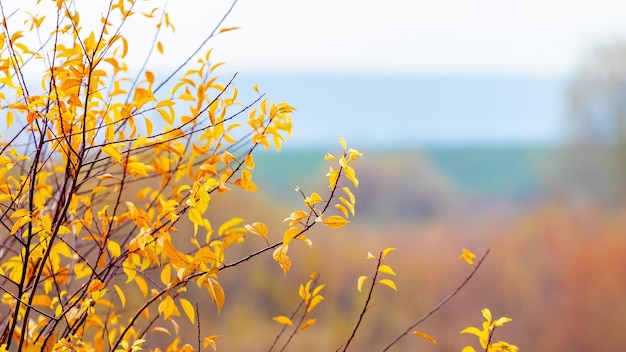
[395, 111]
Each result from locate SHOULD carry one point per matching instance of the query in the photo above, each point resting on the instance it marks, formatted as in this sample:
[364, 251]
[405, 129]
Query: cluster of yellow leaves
[310, 297]
[95, 130]
[381, 268]
[485, 334]
[301, 221]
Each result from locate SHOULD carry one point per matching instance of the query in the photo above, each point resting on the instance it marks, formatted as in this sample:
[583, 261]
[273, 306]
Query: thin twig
[438, 306]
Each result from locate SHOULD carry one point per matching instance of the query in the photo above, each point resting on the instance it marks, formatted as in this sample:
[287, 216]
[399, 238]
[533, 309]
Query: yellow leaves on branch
[381, 268]
[486, 333]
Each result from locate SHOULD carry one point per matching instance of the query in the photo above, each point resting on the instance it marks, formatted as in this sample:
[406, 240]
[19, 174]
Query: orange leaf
[425, 336]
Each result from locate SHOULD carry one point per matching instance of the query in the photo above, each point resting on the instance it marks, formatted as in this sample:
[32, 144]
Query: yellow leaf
[502, 321]
[342, 141]
[168, 308]
[257, 228]
[468, 256]
[472, 330]
[389, 284]
[280, 256]
[120, 294]
[351, 175]
[210, 341]
[425, 336]
[387, 251]
[281, 319]
[106, 177]
[249, 161]
[177, 258]
[348, 205]
[114, 248]
[370, 256]
[386, 269]
[329, 156]
[290, 234]
[335, 222]
[296, 217]
[349, 194]
[228, 224]
[217, 293]
[9, 118]
[229, 29]
[166, 274]
[160, 47]
[342, 209]
[95, 286]
[188, 309]
[333, 176]
[307, 324]
[360, 281]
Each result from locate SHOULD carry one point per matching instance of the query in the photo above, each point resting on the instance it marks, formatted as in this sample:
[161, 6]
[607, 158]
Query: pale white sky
[457, 36]
[388, 36]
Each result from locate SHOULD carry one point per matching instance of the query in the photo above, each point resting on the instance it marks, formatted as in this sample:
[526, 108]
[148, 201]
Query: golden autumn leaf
[188, 309]
[343, 143]
[307, 324]
[360, 282]
[258, 228]
[120, 294]
[335, 221]
[217, 293]
[386, 269]
[425, 336]
[468, 256]
[280, 256]
[281, 319]
[387, 251]
[177, 258]
[389, 284]
[210, 341]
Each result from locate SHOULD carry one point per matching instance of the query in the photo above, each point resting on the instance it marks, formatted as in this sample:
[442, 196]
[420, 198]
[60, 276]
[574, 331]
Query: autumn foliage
[102, 167]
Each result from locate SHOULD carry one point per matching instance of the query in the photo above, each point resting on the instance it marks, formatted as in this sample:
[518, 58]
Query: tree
[596, 129]
[107, 180]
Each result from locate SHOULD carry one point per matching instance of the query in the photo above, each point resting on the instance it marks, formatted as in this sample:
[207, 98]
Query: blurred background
[484, 124]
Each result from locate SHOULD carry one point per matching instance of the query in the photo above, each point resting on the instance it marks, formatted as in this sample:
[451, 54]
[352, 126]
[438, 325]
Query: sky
[510, 37]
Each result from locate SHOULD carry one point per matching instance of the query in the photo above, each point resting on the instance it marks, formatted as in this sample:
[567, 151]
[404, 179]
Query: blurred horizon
[381, 111]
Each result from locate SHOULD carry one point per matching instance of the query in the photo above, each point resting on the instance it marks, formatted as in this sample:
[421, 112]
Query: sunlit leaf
[188, 309]
[120, 294]
[360, 281]
[258, 228]
[342, 141]
[387, 251]
[386, 269]
[468, 256]
[335, 221]
[281, 319]
[308, 324]
[389, 284]
[425, 336]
